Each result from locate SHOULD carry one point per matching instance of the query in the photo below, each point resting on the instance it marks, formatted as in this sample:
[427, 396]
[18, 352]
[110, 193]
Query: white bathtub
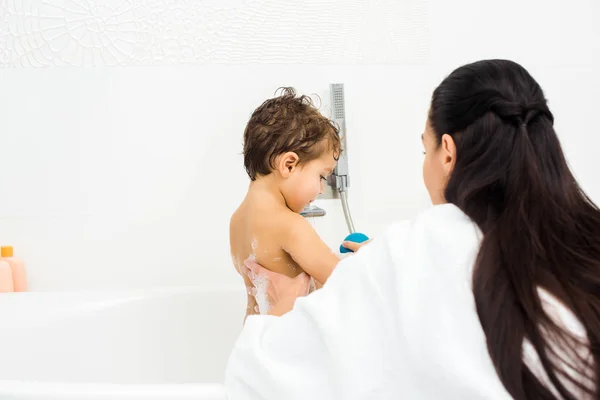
[164, 343]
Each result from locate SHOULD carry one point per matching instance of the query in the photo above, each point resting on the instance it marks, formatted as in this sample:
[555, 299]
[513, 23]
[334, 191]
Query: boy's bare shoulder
[292, 218]
[291, 224]
[279, 223]
[235, 218]
[263, 220]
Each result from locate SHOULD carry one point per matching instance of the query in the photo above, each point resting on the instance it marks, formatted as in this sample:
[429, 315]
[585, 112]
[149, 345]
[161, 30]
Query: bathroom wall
[122, 121]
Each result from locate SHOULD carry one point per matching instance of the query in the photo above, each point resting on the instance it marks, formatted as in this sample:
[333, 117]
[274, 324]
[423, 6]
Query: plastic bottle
[17, 266]
[6, 278]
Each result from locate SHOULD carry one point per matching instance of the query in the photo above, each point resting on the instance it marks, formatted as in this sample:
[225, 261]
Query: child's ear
[287, 163]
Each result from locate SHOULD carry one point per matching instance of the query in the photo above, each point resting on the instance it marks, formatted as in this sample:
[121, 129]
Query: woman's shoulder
[441, 233]
[436, 238]
[437, 220]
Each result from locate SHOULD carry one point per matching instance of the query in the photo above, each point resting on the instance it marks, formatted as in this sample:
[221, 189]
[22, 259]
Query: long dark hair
[540, 230]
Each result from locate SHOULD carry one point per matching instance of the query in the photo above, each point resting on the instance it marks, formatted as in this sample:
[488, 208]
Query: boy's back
[256, 231]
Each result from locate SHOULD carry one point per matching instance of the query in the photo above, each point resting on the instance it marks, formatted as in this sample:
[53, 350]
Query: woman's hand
[282, 291]
[355, 246]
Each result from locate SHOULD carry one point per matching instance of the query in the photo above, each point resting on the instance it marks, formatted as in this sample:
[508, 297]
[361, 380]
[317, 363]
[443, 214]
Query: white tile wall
[120, 162]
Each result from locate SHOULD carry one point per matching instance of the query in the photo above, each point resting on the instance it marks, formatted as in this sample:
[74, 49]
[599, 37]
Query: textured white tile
[160, 32]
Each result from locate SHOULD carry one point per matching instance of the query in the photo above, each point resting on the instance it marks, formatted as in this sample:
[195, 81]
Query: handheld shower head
[339, 117]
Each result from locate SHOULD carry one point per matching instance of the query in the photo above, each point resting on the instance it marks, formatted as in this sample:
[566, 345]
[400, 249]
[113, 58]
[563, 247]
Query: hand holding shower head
[353, 237]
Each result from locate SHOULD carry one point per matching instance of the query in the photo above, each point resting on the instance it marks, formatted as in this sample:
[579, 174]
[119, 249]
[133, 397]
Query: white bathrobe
[396, 321]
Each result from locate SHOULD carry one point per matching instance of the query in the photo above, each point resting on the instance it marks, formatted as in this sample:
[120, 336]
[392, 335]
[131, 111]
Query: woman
[494, 293]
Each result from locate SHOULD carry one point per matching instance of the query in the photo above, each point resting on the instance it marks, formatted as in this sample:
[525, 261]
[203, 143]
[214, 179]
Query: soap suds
[260, 283]
[262, 301]
[312, 285]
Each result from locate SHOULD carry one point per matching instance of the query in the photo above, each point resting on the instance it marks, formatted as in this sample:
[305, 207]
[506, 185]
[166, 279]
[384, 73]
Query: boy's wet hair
[287, 123]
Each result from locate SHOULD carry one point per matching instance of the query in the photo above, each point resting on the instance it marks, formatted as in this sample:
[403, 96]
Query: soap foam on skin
[260, 284]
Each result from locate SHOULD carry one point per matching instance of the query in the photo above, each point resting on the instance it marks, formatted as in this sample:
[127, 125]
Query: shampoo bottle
[6, 279]
[17, 268]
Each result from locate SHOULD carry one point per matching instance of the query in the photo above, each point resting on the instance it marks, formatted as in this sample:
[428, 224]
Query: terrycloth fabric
[395, 321]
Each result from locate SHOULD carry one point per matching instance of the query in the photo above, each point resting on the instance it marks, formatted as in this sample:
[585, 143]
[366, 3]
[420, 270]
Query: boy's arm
[303, 244]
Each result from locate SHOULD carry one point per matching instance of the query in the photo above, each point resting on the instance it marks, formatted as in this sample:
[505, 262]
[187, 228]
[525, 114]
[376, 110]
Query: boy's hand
[355, 246]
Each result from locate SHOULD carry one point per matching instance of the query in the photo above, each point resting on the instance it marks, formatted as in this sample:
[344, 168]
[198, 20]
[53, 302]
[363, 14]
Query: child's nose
[322, 188]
